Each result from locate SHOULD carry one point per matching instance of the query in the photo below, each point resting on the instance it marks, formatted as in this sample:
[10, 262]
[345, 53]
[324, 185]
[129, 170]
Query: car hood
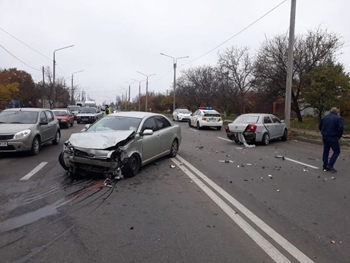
[98, 140]
[13, 127]
[61, 117]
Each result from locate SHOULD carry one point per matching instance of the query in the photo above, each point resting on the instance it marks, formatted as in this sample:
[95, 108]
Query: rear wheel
[198, 126]
[72, 123]
[133, 166]
[285, 135]
[265, 139]
[35, 146]
[174, 148]
[218, 128]
[57, 138]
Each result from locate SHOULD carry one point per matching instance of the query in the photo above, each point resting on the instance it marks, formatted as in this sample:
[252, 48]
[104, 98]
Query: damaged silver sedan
[119, 144]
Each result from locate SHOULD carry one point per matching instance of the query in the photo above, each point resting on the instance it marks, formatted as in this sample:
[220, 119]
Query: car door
[194, 118]
[151, 144]
[269, 126]
[278, 126]
[166, 132]
[52, 123]
[44, 127]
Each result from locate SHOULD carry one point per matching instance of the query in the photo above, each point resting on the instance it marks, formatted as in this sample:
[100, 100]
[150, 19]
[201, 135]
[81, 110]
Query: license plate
[84, 119]
[212, 119]
[3, 144]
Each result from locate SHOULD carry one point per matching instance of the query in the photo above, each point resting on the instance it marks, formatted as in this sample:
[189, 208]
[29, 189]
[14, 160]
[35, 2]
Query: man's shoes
[330, 169]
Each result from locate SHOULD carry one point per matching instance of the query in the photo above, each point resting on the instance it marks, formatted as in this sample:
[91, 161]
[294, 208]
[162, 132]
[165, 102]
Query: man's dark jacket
[331, 125]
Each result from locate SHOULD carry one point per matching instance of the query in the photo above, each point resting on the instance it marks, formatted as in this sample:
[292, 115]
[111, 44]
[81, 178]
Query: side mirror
[147, 132]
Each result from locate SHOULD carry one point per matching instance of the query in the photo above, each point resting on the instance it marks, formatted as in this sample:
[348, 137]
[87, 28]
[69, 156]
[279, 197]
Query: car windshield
[60, 113]
[74, 108]
[19, 117]
[247, 119]
[184, 111]
[88, 110]
[116, 123]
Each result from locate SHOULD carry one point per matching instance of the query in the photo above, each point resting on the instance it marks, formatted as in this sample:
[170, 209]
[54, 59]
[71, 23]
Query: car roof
[135, 114]
[255, 114]
[209, 111]
[60, 109]
[25, 109]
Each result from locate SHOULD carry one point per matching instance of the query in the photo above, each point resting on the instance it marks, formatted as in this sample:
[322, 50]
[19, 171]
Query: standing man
[331, 127]
[107, 111]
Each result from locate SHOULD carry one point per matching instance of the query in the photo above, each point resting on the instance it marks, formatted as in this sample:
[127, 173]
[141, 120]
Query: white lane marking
[285, 158]
[193, 130]
[224, 139]
[295, 252]
[248, 229]
[34, 171]
[305, 164]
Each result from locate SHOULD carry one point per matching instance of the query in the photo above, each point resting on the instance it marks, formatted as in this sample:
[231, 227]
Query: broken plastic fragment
[226, 161]
[249, 164]
[333, 241]
[305, 170]
[333, 178]
[278, 190]
[172, 166]
[270, 176]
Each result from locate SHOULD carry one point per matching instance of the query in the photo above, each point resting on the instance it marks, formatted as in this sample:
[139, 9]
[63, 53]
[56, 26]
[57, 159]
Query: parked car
[181, 115]
[26, 129]
[89, 115]
[64, 116]
[205, 117]
[120, 143]
[74, 109]
[256, 128]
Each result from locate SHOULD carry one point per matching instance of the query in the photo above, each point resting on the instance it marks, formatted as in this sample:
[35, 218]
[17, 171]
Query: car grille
[6, 137]
[79, 153]
[7, 148]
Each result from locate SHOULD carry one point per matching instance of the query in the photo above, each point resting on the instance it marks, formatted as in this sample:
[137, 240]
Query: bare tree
[236, 67]
[310, 50]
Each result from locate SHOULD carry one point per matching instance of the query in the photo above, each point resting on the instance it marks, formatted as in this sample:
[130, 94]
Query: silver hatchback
[26, 129]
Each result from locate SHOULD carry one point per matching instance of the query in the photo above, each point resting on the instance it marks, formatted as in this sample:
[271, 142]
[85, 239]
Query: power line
[161, 76]
[236, 33]
[18, 59]
[25, 44]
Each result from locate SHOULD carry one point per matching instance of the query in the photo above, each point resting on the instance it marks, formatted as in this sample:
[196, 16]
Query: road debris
[278, 190]
[333, 178]
[172, 166]
[262, 178]
[305, 170]
[333, 241]
[280, 156]
[270, 176]
[226, 161]
[200, 147]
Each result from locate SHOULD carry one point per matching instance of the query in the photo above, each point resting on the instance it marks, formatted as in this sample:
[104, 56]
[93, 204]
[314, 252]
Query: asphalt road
[221, 203]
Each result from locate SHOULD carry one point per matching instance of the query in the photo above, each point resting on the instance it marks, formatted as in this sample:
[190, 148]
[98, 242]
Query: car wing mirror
[147, 132]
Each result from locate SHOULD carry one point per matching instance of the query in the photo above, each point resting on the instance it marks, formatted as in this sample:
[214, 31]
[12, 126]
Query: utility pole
[42, 96]
[129, 99]
[287, 106]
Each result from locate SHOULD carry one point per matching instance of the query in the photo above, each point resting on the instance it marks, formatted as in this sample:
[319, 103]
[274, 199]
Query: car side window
[150, 124]
[267, 119]
[162, 122]
[49, 115]
[275, 120]
[43, 117]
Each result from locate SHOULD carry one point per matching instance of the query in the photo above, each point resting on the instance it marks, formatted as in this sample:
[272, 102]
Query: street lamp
[146, 86]
[53, 75]
[139, 81]
[174, 61]
[72, 99]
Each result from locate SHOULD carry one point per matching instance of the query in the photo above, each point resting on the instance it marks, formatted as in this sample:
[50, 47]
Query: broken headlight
[68, 148]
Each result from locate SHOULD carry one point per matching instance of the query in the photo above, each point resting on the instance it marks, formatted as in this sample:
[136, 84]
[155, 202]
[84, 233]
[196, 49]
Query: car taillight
[227, 129]
[251, 128]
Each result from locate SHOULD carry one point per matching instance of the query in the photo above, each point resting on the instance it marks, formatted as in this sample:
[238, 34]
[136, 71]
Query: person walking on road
[331, 127]
[106, 111]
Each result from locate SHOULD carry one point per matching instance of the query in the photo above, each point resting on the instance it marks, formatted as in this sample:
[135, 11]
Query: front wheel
[265, 139]
[132, 167]
[35, 146]
[174, 148]
[189, 124]
[198, 126]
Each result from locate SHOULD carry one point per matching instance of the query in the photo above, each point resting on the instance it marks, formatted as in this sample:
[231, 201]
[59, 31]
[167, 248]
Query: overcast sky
[113, 39]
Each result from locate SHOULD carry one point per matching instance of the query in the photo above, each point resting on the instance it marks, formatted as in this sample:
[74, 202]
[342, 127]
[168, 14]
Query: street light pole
[72, 98]
[139, 81]
[175, 62]
[146, 87]
[53, 75]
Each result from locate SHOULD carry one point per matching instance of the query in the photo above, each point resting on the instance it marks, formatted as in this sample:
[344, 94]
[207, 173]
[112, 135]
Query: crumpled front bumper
[76, 160]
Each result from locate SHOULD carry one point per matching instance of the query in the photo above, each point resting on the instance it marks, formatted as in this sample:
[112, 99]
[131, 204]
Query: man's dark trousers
[330, 143]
